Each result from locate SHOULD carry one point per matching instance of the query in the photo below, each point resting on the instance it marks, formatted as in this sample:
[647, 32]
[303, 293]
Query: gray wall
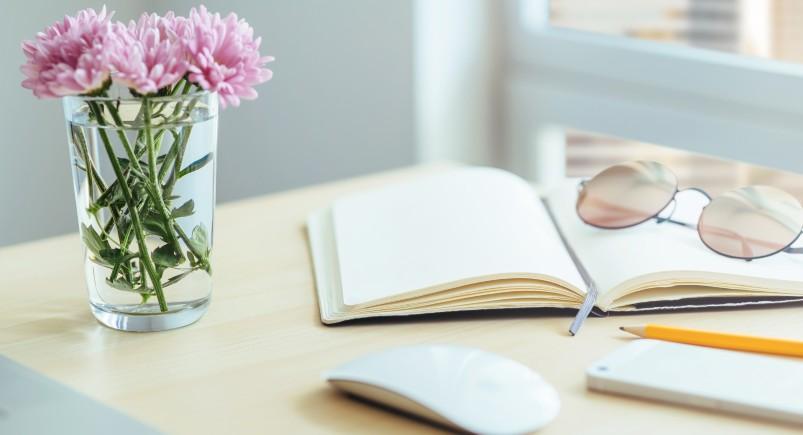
[340, 104]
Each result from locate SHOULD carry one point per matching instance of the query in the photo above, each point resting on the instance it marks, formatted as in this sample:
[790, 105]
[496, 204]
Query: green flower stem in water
[144, 254]
[151, 188]
[154, 186]
[166, 165]
[92, 174]
[140, 199]
[125, 240]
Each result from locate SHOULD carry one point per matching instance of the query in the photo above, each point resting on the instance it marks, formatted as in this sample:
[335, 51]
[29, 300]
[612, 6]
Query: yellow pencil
[777, 346]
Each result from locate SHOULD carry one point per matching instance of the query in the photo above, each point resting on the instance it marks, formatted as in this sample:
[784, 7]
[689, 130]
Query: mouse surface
[468, 389]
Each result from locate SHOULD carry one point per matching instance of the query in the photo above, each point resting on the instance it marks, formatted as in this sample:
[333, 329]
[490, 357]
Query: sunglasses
[747, 223]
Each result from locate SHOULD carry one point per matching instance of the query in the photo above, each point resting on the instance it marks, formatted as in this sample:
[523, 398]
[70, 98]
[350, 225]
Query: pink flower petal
[69, 57]
[149, 55]
[223, 55]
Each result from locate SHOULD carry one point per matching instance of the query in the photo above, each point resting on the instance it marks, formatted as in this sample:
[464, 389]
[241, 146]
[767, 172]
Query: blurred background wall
[341, 103]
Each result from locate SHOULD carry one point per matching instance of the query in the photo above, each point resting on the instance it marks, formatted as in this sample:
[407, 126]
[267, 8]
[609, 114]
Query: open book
[482, 238]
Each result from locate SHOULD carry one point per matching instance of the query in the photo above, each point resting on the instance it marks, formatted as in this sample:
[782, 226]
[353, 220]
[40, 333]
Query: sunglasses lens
[751, 222]
[626, 194]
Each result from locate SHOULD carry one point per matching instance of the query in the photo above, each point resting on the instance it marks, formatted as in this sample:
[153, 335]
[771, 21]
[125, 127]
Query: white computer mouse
[464, 388]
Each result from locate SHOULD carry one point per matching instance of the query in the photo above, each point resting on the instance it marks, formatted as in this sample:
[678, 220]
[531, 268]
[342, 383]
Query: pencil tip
[635, 330]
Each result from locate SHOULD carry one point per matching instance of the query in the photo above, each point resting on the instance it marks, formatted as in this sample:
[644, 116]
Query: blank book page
[443, 229]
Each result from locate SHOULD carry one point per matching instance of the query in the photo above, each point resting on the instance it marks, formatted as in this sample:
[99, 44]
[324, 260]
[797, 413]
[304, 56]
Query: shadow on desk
[337, 412]
[57, 319]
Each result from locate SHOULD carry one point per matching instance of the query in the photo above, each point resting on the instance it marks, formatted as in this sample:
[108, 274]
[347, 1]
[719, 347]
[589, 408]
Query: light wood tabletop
[253, 363]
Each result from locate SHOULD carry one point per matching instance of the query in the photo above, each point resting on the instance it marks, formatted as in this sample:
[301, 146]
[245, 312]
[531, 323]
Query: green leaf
[153, 224]
[93, 241]
[200, 240]
[124, 162]
[177, 278]
[186, 209]
[112, 255]
[121, 284]
[139, 190]
[124, 224]
[136, 173]
[166, 256]
[115, 255]
[196, 165]
[93, 208]
[100, 262]
[111, 195]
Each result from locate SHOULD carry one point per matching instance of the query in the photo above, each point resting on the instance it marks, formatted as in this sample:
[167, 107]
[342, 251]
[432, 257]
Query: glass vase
[144, 179]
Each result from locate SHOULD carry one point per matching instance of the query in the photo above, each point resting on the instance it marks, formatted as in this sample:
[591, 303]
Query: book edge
[322, 268]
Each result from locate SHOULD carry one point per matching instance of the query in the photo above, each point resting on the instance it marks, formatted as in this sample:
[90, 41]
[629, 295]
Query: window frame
[725, 105]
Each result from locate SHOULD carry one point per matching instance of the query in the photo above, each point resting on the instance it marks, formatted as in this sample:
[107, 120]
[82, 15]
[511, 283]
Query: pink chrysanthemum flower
[149, 57]
[69, 57]
[223, 55]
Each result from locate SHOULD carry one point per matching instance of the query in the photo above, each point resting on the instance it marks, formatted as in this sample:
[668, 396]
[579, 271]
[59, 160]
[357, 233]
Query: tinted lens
[751, 222]
[626, 194]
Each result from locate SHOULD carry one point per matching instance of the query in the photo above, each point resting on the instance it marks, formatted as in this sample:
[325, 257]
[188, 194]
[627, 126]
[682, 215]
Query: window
[560, 81]
[765, 28]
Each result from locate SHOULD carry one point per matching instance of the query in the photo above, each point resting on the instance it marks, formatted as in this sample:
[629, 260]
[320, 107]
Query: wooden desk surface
[253, 363]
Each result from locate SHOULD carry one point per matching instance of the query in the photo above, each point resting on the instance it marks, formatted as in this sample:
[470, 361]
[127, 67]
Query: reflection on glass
[751, 222]
[765, 28]
[626, 194]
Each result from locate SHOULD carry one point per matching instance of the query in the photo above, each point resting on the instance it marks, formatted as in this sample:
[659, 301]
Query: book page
[671, 253]
[442, 229]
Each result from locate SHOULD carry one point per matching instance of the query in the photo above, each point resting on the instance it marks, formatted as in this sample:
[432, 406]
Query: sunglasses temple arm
[672, 221]
[796, 250]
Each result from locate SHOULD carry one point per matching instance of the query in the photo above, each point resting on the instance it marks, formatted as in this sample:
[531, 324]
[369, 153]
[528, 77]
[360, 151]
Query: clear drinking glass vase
[144, 179]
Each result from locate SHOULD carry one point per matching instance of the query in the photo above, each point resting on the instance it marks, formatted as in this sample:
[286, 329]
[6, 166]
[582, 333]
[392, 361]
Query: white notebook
[482, 238]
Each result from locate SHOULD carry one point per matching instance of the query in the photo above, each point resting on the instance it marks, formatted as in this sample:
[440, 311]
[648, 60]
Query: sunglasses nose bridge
[582, 185]
[698, 190]
[605, 202]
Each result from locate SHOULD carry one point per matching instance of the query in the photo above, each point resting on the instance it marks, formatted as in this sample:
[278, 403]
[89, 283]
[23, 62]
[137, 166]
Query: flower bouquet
[141, 105]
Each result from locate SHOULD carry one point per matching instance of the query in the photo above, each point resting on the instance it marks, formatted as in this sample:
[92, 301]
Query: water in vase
[144, 178]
